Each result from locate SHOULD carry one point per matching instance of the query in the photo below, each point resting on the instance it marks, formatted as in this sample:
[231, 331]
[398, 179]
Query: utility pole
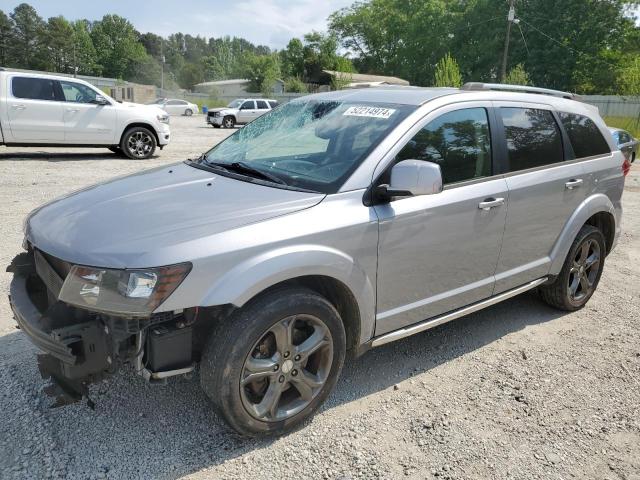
[510, 18]
[162, 64]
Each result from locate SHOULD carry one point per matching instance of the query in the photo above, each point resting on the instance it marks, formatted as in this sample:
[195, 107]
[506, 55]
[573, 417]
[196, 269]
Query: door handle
[16, 106]
[573, 183]
[72, 110]
[490, 203]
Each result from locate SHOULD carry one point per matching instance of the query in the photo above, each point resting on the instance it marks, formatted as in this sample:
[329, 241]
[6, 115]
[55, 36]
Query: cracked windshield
[312, 145]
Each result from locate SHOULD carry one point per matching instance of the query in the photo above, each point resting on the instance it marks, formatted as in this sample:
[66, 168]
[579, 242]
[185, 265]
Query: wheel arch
[324, 270]
[131, 125]
[596, 210]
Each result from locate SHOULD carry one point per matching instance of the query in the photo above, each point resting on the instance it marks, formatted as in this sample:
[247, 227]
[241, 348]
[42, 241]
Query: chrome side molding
[447, 317]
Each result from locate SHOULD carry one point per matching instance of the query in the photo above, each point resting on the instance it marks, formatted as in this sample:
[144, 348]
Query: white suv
[47, 110]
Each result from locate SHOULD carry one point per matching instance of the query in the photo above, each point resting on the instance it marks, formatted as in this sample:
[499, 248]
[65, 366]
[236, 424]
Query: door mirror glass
[100, 100]
[411, 178]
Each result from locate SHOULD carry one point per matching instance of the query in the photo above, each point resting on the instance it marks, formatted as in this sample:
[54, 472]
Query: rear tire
[138, 143]
[272, 363]
[581, 272]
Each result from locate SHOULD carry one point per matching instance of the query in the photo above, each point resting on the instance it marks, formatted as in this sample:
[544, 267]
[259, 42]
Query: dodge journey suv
[332, 224]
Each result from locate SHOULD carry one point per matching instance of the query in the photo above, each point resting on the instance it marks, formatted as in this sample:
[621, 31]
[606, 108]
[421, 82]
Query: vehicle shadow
[53, 156]
[174, 424]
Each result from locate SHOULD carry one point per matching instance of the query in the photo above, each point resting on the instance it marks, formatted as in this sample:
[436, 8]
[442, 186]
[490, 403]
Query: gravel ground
[516, 391]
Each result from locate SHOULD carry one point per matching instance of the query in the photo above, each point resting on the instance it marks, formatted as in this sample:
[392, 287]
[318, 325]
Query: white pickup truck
[47, 110]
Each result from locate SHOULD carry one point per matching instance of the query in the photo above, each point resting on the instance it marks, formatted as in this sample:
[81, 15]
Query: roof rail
[518, 88]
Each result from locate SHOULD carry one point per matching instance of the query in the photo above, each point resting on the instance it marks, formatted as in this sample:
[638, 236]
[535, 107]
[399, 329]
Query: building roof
[356, 78]
[235, 81]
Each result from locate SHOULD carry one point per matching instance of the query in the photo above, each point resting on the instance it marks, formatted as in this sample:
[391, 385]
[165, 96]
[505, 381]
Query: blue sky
[267, 22]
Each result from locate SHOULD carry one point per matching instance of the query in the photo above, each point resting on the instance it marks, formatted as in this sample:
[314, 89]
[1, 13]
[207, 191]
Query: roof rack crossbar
[518, 88]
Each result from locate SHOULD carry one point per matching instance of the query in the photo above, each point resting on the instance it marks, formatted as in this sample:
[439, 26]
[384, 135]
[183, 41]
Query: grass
[630, 124]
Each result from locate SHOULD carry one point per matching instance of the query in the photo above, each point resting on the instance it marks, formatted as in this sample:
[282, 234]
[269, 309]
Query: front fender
[589, 207]
[256, 274]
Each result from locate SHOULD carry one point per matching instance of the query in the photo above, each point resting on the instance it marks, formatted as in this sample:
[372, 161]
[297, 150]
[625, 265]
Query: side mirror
[100, 100]
[411, 178]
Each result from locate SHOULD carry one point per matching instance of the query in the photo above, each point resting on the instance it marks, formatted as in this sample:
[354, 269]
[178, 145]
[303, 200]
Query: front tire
[138, 143]
[188, 112]
[581, 272]
[272, 363]
[228, 122]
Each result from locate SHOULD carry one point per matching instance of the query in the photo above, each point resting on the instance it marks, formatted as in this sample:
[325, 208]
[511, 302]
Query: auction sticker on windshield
[373, 112]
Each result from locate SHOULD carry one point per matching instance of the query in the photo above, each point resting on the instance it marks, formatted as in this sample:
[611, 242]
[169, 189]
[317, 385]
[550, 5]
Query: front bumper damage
[82, 347]
[76, 345]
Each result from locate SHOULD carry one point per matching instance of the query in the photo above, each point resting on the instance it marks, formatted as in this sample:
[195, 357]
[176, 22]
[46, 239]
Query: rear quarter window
[584, 135]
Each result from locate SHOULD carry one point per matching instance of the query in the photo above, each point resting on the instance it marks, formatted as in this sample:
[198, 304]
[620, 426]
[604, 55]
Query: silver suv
[240, 111]
[336, 223]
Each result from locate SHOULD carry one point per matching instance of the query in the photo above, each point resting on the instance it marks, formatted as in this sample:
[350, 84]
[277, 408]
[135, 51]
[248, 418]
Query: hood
[121, 223]
[152, 108]
[221, 109]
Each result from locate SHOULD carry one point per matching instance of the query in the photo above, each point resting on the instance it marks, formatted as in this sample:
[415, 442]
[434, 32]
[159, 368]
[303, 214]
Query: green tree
[295, 85]
[5, 38]
[261, 71]
[59, 38]
[517, 76]
[293, 59]
[629, 77]
[83, 53]
[117, 45]
[447, 73]
[27, 38]
[190, 75]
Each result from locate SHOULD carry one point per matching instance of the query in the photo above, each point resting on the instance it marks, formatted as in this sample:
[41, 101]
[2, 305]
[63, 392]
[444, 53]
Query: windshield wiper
[241, 167]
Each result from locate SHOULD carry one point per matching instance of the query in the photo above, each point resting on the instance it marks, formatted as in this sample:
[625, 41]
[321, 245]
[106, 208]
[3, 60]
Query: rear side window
[458, 141]
[533, 138]
[586, 138]
[273, 103]
[262, 105]
[33, 88]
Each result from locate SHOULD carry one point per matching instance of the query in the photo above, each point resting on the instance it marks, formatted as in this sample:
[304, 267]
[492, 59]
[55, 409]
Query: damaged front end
[82, 346]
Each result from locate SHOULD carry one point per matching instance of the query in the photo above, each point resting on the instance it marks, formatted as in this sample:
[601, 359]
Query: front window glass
[458, 141]
[248, 105]
[235, 104]
[533, 138]
[312, 145]
[76, 92]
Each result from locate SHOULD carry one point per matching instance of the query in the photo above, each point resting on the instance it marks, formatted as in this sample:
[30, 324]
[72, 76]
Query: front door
[86, 122]
[34, 111]
[439, 252]
[247, 111]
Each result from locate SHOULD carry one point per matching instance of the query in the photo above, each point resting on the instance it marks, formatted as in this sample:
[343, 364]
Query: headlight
[163, 118]
[122, 292]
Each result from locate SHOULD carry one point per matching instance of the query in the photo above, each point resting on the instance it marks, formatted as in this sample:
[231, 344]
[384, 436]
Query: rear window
[586, 138]
[533, 138]
[33, 88]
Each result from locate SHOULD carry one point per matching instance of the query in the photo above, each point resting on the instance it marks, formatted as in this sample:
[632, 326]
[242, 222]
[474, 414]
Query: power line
[558, 42]
[523, 39]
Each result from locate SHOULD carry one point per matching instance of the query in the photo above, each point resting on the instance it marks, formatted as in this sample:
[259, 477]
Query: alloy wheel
[286, 368]
[140, 144]
[584, 271]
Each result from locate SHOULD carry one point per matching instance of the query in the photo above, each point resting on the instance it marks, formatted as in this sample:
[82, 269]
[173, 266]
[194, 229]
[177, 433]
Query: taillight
[626, 167]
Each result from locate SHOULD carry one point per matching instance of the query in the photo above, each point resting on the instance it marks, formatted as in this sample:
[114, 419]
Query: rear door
[86, 122]
[262, 107]
[546, 185]
[34, 110]
[247, 111]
